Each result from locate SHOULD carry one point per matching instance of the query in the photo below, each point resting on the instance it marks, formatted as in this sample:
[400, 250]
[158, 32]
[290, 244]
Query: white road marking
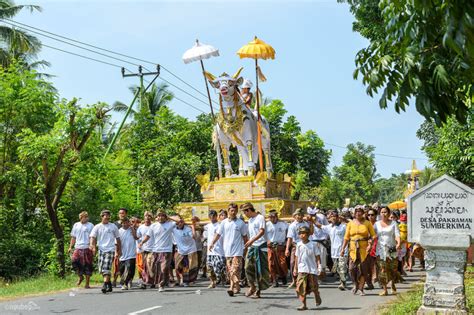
[145, 310]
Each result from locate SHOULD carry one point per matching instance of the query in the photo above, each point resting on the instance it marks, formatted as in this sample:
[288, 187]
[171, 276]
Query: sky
[312, 72]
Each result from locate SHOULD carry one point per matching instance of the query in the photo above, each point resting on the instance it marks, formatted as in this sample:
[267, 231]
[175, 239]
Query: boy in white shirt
[82, 256]
[106, 236]
[307, 267]
[127, 261]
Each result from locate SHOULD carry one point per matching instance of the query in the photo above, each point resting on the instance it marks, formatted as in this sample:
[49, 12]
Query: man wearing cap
[162, 234]
[276, 235]
[215, 257]
[256, 261]
[234, 233]
[293, 238]
[106, 236]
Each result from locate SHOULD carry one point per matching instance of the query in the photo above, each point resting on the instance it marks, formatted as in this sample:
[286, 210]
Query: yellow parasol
[397, 205]
[258, 49]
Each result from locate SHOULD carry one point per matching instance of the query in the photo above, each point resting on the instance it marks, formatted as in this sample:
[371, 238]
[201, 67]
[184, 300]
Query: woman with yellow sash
[359, 234]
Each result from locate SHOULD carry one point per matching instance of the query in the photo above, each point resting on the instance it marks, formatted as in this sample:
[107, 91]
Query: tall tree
[55, 154]
[450, 148]
[421, 50]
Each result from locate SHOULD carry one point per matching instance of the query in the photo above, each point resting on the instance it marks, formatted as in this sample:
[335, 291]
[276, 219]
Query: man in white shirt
[293, 238]
[127, 261]
[256, 261]
[106, 236]
[146, 250]
[162, 234]
[216, 257]
[186, 256]
[336, 231]
[234, 233]
[276, 238]
[82, 256]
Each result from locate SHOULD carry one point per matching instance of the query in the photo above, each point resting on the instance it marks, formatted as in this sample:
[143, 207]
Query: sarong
[127, 270]
[82, 261]
[115, 266]
[160, 271]
[256, 267]
[387, 270]
[277, 262]
[148, 268]
[293, 260]
[105, 262]
[234, 268]
[187, 266]
[140, 264]
[359, 271]
[216, 266]
[340, 266]
[306, 283]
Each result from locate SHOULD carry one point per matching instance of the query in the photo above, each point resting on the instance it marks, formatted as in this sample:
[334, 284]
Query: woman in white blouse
[388, 236]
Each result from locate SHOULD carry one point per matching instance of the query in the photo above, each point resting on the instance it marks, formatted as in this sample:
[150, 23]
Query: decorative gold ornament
[204, 180]
[261, 179]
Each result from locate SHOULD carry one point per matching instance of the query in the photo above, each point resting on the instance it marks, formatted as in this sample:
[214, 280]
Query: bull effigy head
[225, 83]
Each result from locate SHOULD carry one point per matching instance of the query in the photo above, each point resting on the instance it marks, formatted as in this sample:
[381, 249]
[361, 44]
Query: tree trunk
[58, 233]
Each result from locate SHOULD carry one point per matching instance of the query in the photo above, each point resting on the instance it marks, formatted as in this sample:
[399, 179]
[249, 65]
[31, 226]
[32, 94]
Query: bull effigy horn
[209, 76]
[236, 75]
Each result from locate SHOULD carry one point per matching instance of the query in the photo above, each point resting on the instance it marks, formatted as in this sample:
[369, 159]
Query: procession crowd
[367, 243]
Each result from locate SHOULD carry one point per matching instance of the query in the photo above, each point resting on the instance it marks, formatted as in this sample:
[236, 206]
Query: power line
[381, 154]
[103, 49]
[80, 47]
[85, 57]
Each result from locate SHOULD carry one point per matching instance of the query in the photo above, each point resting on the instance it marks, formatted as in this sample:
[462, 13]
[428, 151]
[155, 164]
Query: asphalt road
[206, 301]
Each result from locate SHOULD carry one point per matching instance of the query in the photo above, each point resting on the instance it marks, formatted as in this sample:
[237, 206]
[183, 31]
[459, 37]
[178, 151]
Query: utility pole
[140, 91]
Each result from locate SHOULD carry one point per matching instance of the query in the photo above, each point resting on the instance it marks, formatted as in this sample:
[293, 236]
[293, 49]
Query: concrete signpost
[441, 220]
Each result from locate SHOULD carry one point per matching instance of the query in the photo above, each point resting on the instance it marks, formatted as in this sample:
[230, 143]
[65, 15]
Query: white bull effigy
[236, 125]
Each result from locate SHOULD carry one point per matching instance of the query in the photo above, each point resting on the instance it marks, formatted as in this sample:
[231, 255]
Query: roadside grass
[41, 284]
[409, 302]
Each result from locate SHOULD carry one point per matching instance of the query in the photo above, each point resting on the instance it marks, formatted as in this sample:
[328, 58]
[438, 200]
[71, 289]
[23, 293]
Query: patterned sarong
[340, 266]
[216, 266]
[187, 266]
[234, 268]
[306, 283]
[147, 274]
[105, 262]
[256, 267]
[127, 270]
[387, 270]
[82, 261]
[160, 269]
[277, 262]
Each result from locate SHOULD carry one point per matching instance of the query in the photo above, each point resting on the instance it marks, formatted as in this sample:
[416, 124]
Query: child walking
[307, 267]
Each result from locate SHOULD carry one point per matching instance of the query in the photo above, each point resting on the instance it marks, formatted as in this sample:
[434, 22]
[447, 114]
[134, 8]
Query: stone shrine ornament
[440, 219]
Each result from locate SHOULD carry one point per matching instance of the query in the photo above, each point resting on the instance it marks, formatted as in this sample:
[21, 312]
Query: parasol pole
[259, 127]
[219, 161]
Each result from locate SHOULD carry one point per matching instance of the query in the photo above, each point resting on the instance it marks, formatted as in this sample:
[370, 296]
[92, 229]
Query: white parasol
[197, 53]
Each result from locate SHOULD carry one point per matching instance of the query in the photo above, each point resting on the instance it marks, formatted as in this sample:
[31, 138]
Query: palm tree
[157, 97]
[16, 43]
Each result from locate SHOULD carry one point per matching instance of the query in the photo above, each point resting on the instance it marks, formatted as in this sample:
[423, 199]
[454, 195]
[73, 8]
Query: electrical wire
[103, 49]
